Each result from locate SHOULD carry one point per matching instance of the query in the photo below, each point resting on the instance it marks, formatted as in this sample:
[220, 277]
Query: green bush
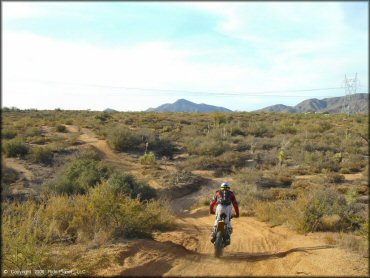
[8, 133]
[33, 132]
[15, 148]
[42, 155]
[334, 177]
[260, 130]
[325, 204]
[287, 127]
[8, 175]
[61, 128]
[147, 159]
[162, 148]
[103, 116]
[126, 184]
[123, 139]
[206, 146]
[319, 161]
[88, 153]
[79, 176]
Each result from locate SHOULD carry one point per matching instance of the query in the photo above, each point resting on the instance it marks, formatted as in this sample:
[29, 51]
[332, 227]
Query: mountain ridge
[183, 105]
[358, 102]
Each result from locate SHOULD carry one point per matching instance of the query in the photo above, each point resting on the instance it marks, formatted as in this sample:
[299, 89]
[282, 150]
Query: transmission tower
[350, 86]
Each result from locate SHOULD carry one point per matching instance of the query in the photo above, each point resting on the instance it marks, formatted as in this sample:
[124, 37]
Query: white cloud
[308, 61]
[17, 10]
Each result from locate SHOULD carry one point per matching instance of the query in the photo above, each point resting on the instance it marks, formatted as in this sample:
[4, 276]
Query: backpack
[224, 197]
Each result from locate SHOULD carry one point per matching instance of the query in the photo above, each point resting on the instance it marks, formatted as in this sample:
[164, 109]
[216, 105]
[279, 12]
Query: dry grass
[350, 241]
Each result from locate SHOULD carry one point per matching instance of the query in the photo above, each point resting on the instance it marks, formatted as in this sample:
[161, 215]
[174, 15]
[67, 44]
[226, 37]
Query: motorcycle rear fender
[221, 226]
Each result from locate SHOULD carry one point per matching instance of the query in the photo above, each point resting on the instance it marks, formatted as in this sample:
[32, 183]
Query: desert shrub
[266, 159]
[221, 118]
[88, 153]
[287, 127]
[126, 184]
[8, 133]
[271, 212]
[235, 131]
[58, 146]
[282, 194]
[275, 181]
[320, 210]
[33, 131]
[350, 241]
[15, 148]
[73, 138]
[29, 229]
[163, 147]
[301, 184]
[225, 163]
[206, 146]
[61, 128]
[318, 161]
[242, 147]
[147, 159]
[41, 155]
[351, 196]
[79, 176]
[103, 210]
[327, 210]
[260, 130]
[8, 176]
[247, 176]
[180, 178]
[39, 140]
[354, 163]
[334, 177]
[320, 127]
[103, 116]
[123, 139]
[21, 245]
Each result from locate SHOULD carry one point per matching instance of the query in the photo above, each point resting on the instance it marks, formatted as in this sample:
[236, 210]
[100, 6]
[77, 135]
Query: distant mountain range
[359, 103]
[183, 105]
[110, 110]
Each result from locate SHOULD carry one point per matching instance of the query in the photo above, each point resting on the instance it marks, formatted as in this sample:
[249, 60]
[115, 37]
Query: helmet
[225, 185]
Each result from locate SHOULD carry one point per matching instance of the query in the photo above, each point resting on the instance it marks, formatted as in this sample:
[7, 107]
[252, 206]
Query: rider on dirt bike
[223, 197]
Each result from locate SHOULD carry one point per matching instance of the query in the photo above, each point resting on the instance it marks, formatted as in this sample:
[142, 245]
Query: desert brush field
[127, 193]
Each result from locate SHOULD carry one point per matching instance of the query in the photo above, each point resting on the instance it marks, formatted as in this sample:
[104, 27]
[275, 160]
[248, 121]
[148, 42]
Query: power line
[250, 93]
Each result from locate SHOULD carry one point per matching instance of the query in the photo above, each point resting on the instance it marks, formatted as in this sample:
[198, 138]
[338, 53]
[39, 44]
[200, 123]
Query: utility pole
[350, 86]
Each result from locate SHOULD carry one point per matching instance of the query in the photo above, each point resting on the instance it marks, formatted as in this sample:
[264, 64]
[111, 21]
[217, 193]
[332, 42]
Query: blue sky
[241, 55]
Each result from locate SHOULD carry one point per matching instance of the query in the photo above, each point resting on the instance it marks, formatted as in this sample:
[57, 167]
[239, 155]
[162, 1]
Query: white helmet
[225, 185]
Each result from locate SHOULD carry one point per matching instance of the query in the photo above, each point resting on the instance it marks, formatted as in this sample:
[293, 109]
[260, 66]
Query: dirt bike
[221, 235]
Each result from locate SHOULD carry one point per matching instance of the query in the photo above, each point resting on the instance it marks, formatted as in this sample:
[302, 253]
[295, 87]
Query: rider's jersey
[224, 197]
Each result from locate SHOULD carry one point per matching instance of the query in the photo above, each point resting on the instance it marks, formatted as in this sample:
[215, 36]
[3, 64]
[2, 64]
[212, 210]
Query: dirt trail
[20, 167]
[256, 248]
[126, 162]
